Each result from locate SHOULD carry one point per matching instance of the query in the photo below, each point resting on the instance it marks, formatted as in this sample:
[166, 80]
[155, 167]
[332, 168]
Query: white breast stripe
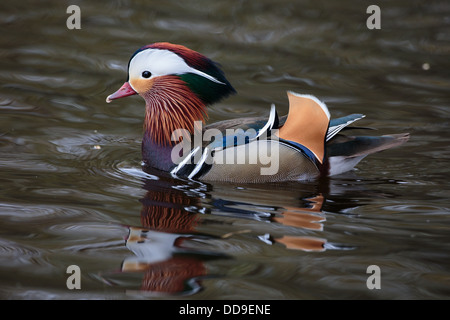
[185, 160]
[199, 164]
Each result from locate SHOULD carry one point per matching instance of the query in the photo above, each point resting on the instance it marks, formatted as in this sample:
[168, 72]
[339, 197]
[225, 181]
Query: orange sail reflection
[306, 218]
[303, 243]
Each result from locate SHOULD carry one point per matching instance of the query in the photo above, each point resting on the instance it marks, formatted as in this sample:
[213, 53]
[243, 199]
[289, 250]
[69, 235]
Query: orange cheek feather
[142, 86]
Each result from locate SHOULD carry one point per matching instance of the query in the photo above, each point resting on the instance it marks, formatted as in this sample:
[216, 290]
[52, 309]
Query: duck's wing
[295, 150]
[303, 139]
[222, 135]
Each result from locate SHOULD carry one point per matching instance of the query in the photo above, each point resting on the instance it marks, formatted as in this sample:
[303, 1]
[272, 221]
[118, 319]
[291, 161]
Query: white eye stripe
[162, 62]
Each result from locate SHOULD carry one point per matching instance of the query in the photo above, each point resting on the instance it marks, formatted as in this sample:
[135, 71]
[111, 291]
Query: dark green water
[72, 189]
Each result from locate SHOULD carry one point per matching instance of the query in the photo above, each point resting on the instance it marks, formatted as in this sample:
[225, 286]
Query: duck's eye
[146, 74]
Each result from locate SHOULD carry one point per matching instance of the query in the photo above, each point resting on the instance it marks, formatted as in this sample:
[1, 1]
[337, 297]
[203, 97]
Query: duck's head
[176, 83]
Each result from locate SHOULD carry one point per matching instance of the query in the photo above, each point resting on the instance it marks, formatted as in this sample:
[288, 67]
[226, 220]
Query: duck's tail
[345, 152]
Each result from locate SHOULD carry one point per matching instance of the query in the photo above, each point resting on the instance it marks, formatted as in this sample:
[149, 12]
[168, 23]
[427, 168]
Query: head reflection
[159, 245]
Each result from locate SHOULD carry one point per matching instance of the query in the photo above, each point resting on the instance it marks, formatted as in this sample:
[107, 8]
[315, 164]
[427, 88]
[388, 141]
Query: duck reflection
[174, 256]
[159, 245]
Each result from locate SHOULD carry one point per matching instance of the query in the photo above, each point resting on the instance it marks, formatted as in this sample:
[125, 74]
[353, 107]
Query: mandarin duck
[178, 83]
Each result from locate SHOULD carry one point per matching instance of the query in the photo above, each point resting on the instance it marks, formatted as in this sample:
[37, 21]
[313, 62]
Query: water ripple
[15, 254]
